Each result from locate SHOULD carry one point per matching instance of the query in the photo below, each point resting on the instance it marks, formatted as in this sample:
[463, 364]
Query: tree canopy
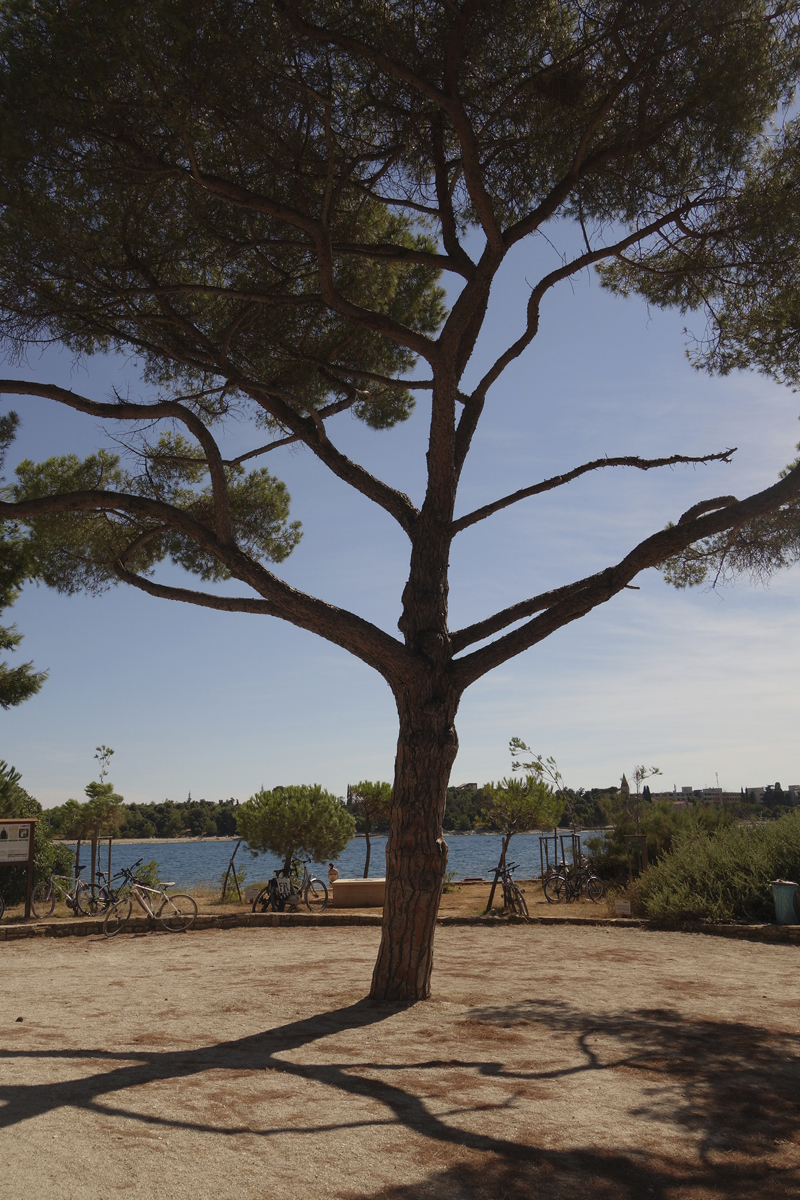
[301, 819]
[262, 201]
[370, 801]
[20, 682]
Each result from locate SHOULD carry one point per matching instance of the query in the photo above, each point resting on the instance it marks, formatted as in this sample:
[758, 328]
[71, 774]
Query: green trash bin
[784, 893]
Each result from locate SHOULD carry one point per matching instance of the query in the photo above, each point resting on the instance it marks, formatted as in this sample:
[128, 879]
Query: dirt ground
[554, 1062]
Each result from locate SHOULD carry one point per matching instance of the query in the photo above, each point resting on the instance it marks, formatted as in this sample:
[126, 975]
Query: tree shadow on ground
[734, 1087]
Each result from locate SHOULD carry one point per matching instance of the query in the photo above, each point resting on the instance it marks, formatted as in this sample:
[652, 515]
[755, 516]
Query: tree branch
[473, 406]
[564, 272]
[580, 598]
[359, 637]
[547, 485]
[203, 599]
[515, 612]
[705, 506]
[396, 503]
[124, 410]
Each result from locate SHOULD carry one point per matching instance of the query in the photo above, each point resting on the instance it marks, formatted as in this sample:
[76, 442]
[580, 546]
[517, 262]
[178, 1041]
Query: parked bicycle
[88, 899]
[572, 883]
[113, 885]
[290, 890]
[176, 913]
[513, 899]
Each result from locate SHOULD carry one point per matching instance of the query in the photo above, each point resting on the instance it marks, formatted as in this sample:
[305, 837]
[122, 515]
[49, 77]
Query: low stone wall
[88, 926]
[358, 893]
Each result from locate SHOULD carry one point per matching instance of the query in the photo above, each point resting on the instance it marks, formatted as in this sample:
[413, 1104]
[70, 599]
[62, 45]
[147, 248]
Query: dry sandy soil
[553, 1062]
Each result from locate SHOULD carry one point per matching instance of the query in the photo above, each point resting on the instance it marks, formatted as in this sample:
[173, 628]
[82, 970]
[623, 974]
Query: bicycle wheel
[43, 900]
[316, 895]
[2, 906]
[177, 913]
[555, 889]
[92, 900]
[595, 889]
[520, 906]
[263, 901]
[117, 916]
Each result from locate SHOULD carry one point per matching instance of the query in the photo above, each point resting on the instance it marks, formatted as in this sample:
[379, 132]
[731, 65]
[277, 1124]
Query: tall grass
[724, 875]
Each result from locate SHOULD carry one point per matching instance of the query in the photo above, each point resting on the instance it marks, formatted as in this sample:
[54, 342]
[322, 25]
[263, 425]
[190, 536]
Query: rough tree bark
[416, 852]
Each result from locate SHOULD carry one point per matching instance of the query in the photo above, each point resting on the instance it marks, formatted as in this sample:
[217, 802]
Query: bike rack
[571, 840]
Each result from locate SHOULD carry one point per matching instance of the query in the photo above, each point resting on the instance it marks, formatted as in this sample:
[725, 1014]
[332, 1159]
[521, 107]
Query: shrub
[16, 802]
[149, 874]
[661, 823]
[724, 875]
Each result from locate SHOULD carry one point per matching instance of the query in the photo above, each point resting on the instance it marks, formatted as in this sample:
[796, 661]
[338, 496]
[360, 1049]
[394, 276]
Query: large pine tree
[259, 199]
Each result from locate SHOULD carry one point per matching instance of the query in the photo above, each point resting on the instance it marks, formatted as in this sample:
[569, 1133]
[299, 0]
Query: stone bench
[358, 893]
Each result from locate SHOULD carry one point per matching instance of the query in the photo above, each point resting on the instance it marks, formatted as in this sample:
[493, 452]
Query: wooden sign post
[16, 848]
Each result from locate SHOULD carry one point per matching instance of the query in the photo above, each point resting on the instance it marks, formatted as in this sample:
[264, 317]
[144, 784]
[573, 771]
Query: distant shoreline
[119, 841]
[199, 841]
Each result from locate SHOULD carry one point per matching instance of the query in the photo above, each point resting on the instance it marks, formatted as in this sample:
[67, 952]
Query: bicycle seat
[163, 885]
[79, 869]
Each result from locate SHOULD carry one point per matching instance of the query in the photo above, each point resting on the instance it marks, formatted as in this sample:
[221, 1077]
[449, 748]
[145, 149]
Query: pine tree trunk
[416, 852]
[366, 835]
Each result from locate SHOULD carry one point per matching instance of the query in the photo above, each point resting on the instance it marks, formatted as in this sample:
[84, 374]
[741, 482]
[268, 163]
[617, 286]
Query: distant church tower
[624, 788]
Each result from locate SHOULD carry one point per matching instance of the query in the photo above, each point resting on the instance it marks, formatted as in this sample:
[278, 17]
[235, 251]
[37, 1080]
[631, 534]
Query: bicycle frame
[136, 892]
[58, 881]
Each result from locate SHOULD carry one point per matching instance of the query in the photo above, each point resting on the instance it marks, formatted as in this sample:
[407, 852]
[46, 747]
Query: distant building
[687, 791]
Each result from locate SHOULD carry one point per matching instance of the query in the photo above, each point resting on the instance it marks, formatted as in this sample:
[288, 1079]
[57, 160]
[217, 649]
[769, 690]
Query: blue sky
[700, 684]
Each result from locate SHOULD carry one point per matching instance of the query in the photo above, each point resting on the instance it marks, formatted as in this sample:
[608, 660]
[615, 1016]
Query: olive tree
[259, 201]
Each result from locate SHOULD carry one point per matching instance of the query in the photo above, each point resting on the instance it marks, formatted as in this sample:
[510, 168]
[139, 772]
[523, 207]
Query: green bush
[236, 875]
[724, 875]
[16, 802]
[661, 823]
[149, 874]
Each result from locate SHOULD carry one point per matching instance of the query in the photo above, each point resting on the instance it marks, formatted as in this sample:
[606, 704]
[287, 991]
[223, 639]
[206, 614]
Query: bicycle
[107, 882]
[89, 899]
[2, 907]
[291, 889]
[569, 886]
[513, 899]
[176, 913]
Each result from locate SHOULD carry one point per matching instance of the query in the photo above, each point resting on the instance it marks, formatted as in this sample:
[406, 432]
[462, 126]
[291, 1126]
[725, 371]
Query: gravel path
[552, 1062]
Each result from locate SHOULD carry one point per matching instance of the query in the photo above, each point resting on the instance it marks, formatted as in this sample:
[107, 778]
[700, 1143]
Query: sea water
[189, 864]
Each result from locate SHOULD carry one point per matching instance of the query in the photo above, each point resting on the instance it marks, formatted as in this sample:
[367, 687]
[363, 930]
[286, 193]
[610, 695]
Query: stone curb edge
[83, 928]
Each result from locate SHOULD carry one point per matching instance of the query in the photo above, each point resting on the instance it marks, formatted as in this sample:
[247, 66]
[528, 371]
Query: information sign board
[14, 843]
[16, 848]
